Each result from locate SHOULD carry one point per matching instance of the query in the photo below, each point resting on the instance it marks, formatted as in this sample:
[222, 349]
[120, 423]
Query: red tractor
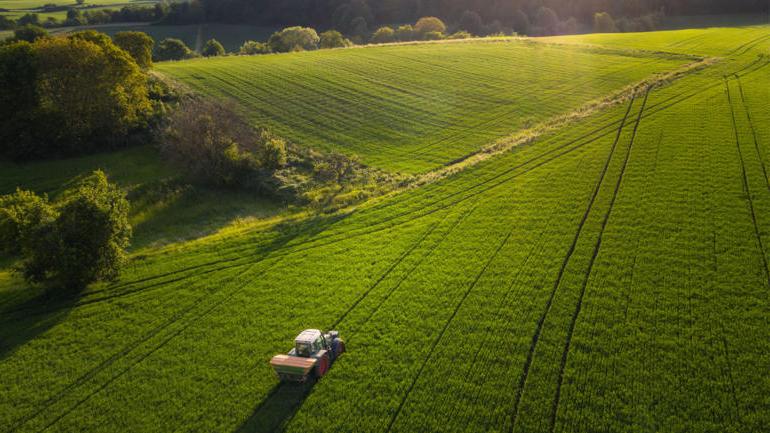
[312, 356]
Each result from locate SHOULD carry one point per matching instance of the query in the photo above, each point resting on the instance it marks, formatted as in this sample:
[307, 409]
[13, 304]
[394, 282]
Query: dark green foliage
[404, 33]
[214, 145]
[254, 47]
[138, 44]
[29, 33]
[603, 23]
[546, 21]
[213, 48]
[333, 39]
[294, 39]
[470, 21]
[66, 96]
[429, 24]
[172, 49]
[383, 35]
[79, 241]
[29, 19]
[6, 23]
[521, 23]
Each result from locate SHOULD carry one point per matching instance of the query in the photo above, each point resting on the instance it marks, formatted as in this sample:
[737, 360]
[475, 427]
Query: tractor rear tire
[339, 347]
[322, 366]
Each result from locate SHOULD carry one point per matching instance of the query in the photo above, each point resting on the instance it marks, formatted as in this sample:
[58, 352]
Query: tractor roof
[308, 336]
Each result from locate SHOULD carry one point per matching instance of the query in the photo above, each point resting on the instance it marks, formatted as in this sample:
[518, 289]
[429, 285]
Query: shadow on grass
[275, 412]
[22, 320]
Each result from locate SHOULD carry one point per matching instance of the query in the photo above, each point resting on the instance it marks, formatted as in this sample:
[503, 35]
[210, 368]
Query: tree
[383, 35]
[6, 24]
[521, 24]
[433, 36]
[69, 95]
[213, 48]
[293, 39]
[20, 214]
[28, 19]
[547, 20]
[138, 44]
[172, 49]
[404, 33]
[429, 24]
[29, 33]
[254, 47]
[80, 241]
[604, 23]
[333, 39]
[359, 29]
[471, 22]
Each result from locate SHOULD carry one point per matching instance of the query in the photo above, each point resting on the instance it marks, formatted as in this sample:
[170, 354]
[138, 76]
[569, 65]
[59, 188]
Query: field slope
[412, 108]
[610, 276]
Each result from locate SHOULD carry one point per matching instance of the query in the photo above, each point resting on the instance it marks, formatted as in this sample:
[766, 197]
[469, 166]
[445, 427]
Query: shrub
[433, 36]
[20, 214]
[138, 44]
[294, 39]
[383, 35]
[64, 96]
[333, 39]
[81, 241]
[460, 35]
[470, 21]
[28, 19]
[603, 23]
[429, 24]
[172, 49]
[213, 48]
[404, 33]
[6, 23]
[214, 145]
[254, 47]
[29, 33]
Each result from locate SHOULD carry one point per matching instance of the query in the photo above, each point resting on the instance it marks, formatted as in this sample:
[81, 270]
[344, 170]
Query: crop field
[414, 108]
[17, 8]
[611, 275]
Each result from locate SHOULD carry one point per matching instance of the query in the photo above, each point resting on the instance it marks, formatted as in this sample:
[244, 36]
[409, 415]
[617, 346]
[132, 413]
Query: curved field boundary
[595, 254]
[562, 269]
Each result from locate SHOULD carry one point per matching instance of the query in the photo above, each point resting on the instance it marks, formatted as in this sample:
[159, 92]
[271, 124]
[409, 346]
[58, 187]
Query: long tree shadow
[275, 412]
[31, 317]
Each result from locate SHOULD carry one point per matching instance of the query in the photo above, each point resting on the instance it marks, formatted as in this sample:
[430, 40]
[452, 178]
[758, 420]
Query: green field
[611, 275]
[415, 108]
[17, 8]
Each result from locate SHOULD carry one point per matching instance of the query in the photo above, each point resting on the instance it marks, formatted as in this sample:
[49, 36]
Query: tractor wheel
[339, 347]
[322, 366]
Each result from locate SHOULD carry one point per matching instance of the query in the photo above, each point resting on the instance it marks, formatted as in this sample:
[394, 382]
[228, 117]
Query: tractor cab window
[317, 345]
[303, 349]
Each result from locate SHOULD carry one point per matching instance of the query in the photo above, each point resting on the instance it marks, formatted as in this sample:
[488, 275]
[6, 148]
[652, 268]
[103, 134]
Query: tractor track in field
[444, 329]
[730, 375]
[163, 343]
[746, 187]
[387, 272]
[536, 336]
[416, 265]
[743, 49]
[753, 130]
[594, 255]
[122, 353]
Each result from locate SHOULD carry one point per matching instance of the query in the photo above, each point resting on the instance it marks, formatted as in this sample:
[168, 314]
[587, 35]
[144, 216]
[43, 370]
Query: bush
[213, 48]
[603, 23]
[65, 96]
[172, 49]
[254, 47]
[433, 36]
[214, 145]
[29, 33]
[383, 35]
[460, 35]
[470, 21]
[404, 33]
[294, 39]
[138, 44]
[333, 39]
[20, 214]
[429, 24]
[6, 23]
[81, 241]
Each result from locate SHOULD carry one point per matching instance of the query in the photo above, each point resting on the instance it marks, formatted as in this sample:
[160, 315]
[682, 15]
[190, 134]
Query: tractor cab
[308, 343]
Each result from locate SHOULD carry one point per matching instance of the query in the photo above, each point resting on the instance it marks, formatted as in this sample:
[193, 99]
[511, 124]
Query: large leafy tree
[68, 95]
[138, 44]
